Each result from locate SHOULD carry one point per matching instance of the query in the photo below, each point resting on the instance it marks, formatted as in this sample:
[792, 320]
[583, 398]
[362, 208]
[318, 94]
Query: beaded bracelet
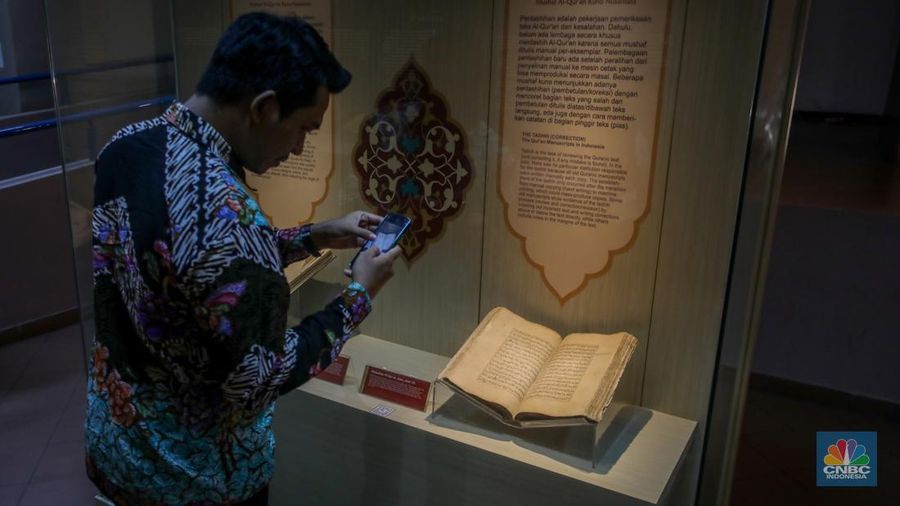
[358, 287]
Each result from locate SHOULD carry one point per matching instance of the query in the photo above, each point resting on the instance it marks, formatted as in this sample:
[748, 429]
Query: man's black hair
[261, 51]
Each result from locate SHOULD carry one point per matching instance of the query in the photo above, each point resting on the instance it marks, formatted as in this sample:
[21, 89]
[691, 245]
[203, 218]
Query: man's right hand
[372, 269]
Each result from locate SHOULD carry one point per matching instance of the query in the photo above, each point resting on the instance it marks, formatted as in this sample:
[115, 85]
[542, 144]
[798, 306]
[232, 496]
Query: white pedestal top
[641, 447]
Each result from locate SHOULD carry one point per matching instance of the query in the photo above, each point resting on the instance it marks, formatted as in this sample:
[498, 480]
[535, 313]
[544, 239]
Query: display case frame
[669, 289]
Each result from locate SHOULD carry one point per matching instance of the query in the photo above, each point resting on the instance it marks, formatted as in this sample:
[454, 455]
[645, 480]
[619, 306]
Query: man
[191, 348]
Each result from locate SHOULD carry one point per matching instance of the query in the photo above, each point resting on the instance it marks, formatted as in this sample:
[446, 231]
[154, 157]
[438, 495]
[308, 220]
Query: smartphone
[392, 227]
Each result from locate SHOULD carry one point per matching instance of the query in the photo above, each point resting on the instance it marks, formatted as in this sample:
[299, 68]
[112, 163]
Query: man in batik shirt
[191, 348]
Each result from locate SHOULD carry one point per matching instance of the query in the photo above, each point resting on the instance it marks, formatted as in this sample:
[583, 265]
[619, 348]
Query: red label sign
[336, 371]
[394, 387]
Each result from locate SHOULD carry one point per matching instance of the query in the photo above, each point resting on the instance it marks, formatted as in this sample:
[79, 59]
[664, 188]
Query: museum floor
[832, 185]
[42, 402]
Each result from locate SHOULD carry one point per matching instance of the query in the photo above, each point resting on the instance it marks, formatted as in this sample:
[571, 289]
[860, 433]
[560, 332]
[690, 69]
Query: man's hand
[373, 268]
[351, 231]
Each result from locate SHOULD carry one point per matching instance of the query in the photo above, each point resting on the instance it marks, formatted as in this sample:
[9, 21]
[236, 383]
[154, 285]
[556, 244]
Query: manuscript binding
[527, 375]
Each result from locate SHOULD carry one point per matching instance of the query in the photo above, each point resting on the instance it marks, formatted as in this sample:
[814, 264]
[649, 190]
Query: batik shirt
[191, 346]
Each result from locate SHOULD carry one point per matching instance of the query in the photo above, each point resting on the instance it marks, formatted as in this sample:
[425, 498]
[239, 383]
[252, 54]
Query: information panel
[289, 193]
[581, 88]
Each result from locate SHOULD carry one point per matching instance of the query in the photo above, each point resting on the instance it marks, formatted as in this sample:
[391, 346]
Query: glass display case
[578, 162]
[107, 71]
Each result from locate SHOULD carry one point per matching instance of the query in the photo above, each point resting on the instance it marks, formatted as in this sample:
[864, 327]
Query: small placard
[383, 410]
[336, 371]
[395, 387]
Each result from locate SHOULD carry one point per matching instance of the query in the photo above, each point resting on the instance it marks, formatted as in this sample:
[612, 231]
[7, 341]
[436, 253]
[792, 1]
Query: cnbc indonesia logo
[846, 459]
[847, 462]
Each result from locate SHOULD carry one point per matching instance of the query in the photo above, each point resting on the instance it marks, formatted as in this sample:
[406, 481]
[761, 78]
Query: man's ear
[264, 108]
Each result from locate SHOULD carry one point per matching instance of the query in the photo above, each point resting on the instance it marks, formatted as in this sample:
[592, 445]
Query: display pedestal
[584, 445]
[457, 454]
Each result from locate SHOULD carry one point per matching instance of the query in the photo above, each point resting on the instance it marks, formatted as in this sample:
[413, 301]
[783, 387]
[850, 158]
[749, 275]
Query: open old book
[528, 375]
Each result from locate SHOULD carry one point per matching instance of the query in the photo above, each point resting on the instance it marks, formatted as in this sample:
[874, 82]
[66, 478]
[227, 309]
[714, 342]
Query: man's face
[272, 138]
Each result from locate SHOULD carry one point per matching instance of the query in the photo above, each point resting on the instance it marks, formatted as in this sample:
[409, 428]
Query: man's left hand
[351, 231]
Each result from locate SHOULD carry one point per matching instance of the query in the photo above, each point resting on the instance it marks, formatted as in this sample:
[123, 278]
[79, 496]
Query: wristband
[307, 241]
[358, 287]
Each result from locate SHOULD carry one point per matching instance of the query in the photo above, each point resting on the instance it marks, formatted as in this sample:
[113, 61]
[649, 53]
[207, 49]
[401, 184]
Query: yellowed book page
[501, 358]
[574, 374]
[613, 374]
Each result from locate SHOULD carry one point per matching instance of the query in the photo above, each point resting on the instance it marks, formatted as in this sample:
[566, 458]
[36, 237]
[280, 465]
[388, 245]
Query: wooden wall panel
[431, 304]
[619, 299]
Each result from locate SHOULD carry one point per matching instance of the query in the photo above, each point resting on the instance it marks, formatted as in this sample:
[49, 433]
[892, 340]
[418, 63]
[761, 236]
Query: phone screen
[387, 235]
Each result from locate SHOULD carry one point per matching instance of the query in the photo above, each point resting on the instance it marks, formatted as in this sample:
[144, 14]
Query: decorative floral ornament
[411, 158]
